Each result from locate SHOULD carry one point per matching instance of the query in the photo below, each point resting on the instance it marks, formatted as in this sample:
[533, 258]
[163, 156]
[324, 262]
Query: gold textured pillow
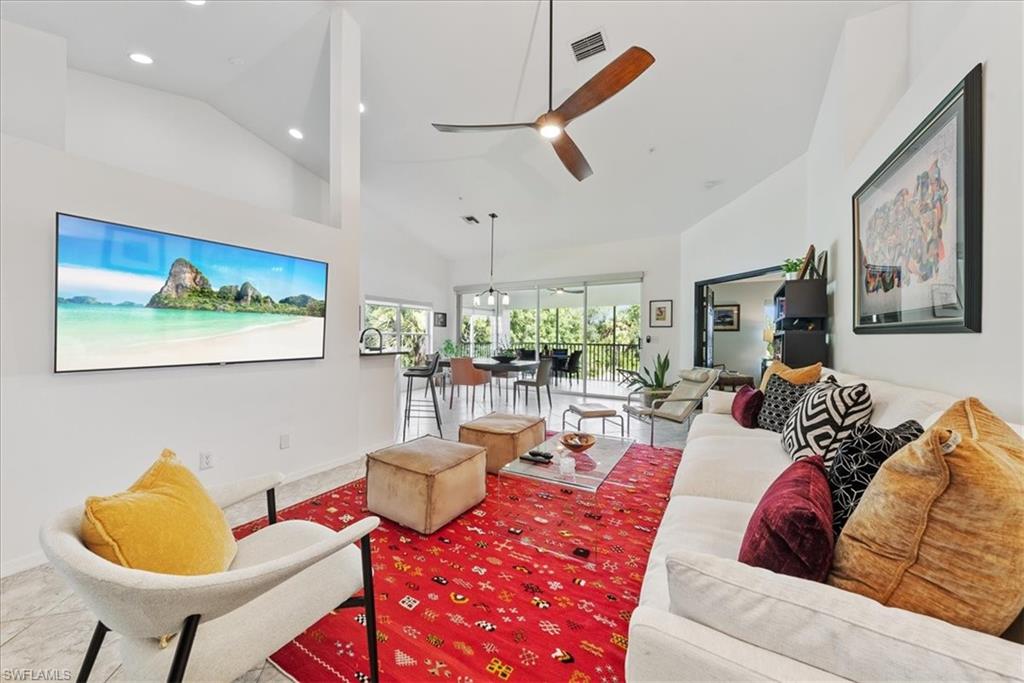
[165, 522]
[939, 529]
[805, 375]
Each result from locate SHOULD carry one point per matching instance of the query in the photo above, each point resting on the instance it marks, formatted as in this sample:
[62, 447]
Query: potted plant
[791, 267]
[503, 351]
[652, 382]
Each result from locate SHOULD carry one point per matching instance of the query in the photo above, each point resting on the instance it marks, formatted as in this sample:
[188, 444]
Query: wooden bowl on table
[577, 442]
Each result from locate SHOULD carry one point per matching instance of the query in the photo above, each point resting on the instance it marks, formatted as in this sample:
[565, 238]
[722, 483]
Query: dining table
[493, 365]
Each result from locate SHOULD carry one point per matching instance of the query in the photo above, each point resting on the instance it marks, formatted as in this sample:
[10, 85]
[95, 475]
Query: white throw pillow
[718, 402]
[832, 629]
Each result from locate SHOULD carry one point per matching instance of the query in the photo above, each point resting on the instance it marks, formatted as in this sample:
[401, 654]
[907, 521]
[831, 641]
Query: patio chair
[678, 406]
[571, 368]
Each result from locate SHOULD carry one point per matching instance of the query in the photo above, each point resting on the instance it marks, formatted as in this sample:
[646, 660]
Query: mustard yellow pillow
[165, 522]
[805, 375]
[938, 530]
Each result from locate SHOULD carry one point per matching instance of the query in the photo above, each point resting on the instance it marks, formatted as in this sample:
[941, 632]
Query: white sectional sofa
[704, 616]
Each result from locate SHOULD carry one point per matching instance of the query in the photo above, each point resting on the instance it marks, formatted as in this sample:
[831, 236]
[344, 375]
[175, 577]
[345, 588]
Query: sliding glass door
[590, 330]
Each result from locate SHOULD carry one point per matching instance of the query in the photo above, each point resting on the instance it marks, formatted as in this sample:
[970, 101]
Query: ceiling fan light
[550, 131]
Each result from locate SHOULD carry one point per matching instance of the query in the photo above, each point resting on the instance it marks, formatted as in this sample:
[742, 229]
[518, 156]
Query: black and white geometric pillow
[857, 461]
[780, 397]
[825, 416]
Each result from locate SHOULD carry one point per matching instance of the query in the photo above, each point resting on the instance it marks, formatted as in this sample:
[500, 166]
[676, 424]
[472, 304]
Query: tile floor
[44, 626]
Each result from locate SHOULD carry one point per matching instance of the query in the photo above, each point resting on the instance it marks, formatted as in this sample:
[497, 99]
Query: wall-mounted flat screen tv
[135, 298]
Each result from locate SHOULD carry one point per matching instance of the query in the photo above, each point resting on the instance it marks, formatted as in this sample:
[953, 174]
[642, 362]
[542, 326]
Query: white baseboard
[20, 564]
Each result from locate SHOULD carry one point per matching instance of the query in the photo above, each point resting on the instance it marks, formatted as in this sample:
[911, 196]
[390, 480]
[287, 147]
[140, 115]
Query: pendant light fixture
[491, 292]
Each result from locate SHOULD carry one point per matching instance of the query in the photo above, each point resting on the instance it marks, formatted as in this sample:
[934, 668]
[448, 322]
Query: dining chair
[464, 374]
[541, 379]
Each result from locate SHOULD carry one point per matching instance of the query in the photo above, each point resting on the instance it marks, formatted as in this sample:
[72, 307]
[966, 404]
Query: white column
[346, 58]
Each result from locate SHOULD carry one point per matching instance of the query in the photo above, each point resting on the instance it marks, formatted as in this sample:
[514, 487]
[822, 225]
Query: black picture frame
[734, 310]
[662, 318]
[946, 312]
[440, 319]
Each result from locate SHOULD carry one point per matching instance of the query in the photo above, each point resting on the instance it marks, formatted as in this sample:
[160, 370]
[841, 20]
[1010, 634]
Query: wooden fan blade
[459, 128]
[571, 156]
[619, 73]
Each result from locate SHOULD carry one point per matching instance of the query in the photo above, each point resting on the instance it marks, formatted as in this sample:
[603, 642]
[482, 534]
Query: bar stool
[421, 408]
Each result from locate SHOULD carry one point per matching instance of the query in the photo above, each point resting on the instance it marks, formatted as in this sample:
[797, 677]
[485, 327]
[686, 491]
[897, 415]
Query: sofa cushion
[825, 416]
[731, 468]
[711, 424]
[856, 462]
[746, 407]
[938, 530]
[790, 531]
[717, 402]
[780, 397]
[805, 375]
[836, 631]
[705, 525]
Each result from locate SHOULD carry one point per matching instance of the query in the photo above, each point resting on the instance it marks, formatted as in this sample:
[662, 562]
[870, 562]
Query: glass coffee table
[592, 466]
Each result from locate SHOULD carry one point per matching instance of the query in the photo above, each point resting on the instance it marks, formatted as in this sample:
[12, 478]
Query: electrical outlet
[205, 460]
[284, 441]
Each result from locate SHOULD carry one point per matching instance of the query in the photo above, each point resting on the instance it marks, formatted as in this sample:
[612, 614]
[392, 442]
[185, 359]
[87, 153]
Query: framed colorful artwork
[917, 226]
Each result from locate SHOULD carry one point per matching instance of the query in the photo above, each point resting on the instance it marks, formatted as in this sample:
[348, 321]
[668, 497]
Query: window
[404, 326]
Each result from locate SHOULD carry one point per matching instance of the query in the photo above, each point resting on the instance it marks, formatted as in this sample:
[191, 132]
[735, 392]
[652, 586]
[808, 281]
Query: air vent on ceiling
[588, 46]
[471, 220]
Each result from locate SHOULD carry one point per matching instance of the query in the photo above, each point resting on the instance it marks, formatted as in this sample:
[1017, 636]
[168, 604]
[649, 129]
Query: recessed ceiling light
[197, 3]
[295, 133]
[140, 58]
[362, 108]
[237, 61]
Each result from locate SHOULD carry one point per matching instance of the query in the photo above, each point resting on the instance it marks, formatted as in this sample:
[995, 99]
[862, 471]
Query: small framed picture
[727, 318]
[440, 320]
[661, 313]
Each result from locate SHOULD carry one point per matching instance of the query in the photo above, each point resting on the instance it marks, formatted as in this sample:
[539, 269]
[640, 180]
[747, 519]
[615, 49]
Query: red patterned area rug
[537, 583]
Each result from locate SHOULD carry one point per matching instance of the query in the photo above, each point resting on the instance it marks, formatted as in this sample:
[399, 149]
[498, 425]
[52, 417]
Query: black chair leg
[271, 507]
[539, 404]
[371, 609]
[437, 412]
[408, 407]
[94, 649]
[550, 405]
[184, 649]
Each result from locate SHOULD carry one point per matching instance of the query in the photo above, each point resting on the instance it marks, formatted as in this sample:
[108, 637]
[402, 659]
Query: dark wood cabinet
[801, 323]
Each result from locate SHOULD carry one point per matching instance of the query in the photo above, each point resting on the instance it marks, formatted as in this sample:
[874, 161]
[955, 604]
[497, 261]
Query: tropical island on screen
[129, 297]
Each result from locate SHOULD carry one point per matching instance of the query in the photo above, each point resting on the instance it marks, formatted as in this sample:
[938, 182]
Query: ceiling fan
[564, 290]
[619, 73]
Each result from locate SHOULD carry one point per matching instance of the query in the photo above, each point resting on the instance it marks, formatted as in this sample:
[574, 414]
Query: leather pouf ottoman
[505, 436]
[425, 483]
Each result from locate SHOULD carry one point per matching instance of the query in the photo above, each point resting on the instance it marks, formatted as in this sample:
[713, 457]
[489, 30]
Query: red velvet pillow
[746, 405]
[790, 531]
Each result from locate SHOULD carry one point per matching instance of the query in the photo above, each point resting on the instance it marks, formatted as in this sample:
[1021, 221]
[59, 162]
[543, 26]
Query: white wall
[989, 365]
[656, 257]
[32, 84]
[865, 113]
[188, 142]
[743, 349]
[66, 437]
[761, 228]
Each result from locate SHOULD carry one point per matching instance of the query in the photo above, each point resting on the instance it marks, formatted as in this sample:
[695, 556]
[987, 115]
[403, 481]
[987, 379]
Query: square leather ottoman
[505, 436]
[425, 483]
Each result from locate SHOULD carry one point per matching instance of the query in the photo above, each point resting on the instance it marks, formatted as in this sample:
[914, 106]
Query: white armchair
[284, 578]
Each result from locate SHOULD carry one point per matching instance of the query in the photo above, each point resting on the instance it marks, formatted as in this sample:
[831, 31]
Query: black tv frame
[56, 264]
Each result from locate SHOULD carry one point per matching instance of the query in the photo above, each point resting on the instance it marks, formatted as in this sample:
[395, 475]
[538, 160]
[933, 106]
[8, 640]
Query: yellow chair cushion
[165, 522]
[805, 375]
[938, 530]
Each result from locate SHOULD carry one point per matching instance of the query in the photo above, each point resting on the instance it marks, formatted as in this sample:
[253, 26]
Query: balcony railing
[602, 360]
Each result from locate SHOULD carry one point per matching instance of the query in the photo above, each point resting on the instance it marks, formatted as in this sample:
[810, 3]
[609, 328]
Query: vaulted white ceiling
[731, 98]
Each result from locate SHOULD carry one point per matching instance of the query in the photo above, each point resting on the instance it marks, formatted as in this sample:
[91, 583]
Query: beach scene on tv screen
[129, 297]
